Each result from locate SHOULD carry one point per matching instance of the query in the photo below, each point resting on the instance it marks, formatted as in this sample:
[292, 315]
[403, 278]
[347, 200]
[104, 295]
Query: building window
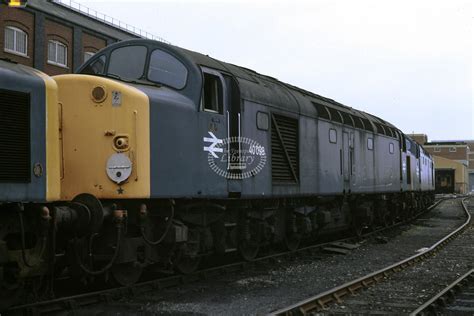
[437, 149]
[88, 55]
[57, 53]
[452, 149]
[391, 148]
[332, 136]
[16, 41]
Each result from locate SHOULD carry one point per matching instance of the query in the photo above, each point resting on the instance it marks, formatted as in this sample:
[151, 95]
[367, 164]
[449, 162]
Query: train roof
[257, 80]
[267, 90]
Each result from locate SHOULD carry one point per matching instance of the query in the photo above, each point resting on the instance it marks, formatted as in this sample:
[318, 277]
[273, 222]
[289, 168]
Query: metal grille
[285, 164]
[14, 136]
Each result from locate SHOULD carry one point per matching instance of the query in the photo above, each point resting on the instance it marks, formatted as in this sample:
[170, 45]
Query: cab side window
[95, 67]
[212, 94]
[167, 69]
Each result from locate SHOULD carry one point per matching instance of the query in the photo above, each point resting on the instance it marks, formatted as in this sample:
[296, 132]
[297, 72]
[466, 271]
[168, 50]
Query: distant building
[470, 167]
[454, 150]
[57, 36]
[419, 138]
[461, 151]
[450, 176]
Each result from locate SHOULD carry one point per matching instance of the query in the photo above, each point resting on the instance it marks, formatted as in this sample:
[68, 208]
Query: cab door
[234, 145]
[346, 160]
[212, 161]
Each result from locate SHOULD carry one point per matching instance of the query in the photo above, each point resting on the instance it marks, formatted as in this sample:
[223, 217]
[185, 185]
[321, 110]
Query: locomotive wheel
[10, 294]
[126, 274]
[358, 227]
[186, 264]
[248, 250]
[292, 242]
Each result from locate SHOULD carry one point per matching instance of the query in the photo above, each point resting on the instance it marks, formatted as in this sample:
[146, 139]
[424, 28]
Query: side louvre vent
[285, 163]
[14, 136]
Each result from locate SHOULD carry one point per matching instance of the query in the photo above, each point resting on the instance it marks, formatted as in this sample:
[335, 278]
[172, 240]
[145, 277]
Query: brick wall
[23, 20]
[419, 138]
[460, 154]
[91, 43]
[471, 164]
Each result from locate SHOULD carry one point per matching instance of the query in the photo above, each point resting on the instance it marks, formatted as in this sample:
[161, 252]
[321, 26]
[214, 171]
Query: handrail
[76, 6]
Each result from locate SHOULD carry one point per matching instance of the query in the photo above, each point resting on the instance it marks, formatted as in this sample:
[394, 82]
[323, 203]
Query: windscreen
[128, 62]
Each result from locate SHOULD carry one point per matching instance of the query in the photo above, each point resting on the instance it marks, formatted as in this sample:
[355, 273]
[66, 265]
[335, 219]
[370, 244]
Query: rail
[320, 301]
[430, 307]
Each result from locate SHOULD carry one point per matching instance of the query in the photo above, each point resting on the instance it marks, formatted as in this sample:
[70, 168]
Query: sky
[408, 62]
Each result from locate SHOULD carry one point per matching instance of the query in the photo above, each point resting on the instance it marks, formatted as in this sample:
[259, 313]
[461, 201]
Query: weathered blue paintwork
[24, 79]
[179, 165]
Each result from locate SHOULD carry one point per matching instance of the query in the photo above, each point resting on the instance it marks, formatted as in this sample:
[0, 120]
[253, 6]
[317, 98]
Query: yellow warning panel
[105, 138]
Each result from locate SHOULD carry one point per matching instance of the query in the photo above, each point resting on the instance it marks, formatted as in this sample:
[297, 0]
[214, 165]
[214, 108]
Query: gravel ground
[286, 282]
[406, 291]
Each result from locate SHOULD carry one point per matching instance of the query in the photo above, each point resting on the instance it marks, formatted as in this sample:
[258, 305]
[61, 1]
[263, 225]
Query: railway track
[456, 299]
[400, 294]
[113, 294]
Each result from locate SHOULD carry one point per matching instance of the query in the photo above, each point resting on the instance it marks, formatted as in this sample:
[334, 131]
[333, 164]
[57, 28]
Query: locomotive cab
[192, 108]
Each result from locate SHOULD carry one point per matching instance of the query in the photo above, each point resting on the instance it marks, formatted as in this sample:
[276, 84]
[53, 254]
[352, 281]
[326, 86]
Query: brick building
[470, 168]
[57, 36]
[461, 151]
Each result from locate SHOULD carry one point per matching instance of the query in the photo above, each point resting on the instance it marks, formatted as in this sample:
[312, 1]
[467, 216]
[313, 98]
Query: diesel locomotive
[152, 156]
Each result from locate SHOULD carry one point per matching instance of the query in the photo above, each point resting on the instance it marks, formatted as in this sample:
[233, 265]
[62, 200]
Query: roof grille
[285, 163]
[14, 137]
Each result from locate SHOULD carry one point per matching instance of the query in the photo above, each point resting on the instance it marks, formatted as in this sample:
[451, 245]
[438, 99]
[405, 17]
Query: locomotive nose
[105, 138]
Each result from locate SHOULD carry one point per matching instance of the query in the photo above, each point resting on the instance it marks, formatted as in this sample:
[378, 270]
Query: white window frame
[370, 143]
[333, 136]
[54, 62]
[391, 148]
[224, 91]
[90, 54]
[452, 149]
[14, 51]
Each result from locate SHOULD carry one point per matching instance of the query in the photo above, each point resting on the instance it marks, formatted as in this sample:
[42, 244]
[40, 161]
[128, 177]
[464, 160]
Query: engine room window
[335, 115]
[367, 125]
[166, 69]
[95, 67]
[212, 93]
[322, 110]
[358, 122]
[128, 62]
[391, 148]
[347, 119]
[370, 143]
[16, 41]
[332, 136]
[262, 121]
